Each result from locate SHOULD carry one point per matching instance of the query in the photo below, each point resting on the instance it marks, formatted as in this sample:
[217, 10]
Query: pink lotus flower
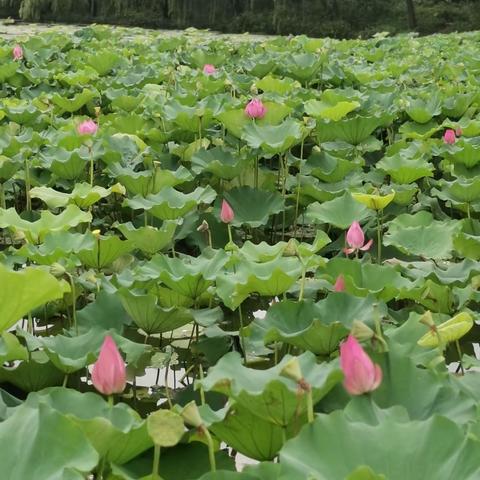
[449, 137]
[226, 213]
[17, 52]
[87, 127]
[361, 374]
[109, 373]
[255, 109]
[356, 239]
[209, 69]
[339, 284]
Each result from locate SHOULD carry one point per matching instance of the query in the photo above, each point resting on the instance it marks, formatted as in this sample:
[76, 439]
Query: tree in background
[412, 19]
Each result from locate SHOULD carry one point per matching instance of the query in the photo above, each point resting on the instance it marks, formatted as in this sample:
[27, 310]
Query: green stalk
[459, 351]
[90, 150]
[310, 413]
[302, 285]
[156, 462]
[211, 449]
[299, 187]
[240, 334]
[379, 236]
[230, 238]
[27, 186]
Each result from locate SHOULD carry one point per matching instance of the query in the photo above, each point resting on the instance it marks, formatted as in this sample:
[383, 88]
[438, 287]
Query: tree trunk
[412, 19]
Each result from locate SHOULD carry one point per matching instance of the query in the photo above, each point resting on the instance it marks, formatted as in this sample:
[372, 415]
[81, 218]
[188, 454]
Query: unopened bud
[191, 415]
[57, 270]
[203, 227]
[292, 370]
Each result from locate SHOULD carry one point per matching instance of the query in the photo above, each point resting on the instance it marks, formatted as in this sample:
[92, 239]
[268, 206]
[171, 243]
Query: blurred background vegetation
[334, 18]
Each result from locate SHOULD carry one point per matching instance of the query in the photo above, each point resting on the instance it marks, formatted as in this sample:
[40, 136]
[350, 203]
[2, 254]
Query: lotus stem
[90, 151]
[379, 235]
[459, 351]
[299, 187]
[211, 449]
[310, 413]
[27, 186]
[202, 391]
[156, 462]
[230, 238]
[284, 164]
[240, 333]
[2, 195]
[302, 285]
[65, 380]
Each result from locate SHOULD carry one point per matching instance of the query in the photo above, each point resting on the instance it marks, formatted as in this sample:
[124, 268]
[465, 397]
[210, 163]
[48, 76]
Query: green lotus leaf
[70, 354]
[374, 202]
[422, 111]
[11, 349]
[116, 432]
[455, 105]
[463, 152]
[253, 207]
[35, 232]
[42, 443]
[422, 236]
[148, 182]
[303, 66]
[84, 77]
[34, 374]
[440, 450]
[8, 167]
[352, 130]
[321, 109]
[150, 317]
[8, 70]
[266, 393]
[448, 331]
[82, 195]
[361, 279]
[316, 327]
[467, 241]
[340, 212]
[192, 119]
[170, 204]
[76, 103]
[261, 471]
[246, 432]
[56, 246]
[281, 86]
[236, 120]
[25, 290]
[267, 279]
[405, 170]
[329, 168]
[173, 464]
[219, 162]
[67, 165]
[419, 131]
[460, 191]
[103, 61]
[106, 249]
[149, 239]
[274, 139]
[189, 276]
[22, 113]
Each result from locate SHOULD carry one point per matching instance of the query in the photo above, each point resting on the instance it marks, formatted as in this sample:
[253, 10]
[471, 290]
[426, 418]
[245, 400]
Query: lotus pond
[279, 238]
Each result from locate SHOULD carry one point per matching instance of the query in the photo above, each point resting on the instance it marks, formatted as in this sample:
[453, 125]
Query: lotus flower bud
[17, 52]
[109, 372]
[356, 239]
[209, 69]
[255, 109]
[226, 212]
[361, 374]
[88, 127]
[449, 137]
[203, 227]
[339, 284]
[291, 249]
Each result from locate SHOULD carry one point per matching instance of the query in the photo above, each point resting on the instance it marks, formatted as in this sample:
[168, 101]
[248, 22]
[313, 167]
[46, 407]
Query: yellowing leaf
[449, 331]
[375, 202]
